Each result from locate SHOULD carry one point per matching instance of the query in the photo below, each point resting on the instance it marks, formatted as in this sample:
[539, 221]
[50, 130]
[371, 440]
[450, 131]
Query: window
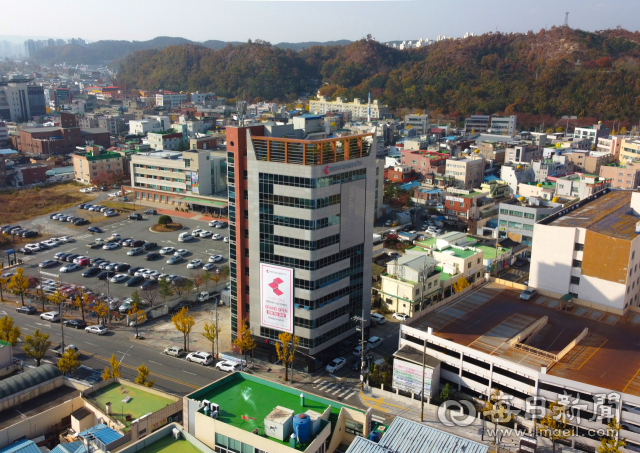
[246, 289]
[575, 280]
[246, 271]
[578, 247]
[529, 216]
[246, 233]
[246, 252]
[246, 214]
[515, 213]
[246, 194]
[578, 264]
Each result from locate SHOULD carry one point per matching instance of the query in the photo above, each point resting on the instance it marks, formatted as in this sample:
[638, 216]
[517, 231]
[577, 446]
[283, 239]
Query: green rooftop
[245, 401]
[490, 253]
[168, 444]
[443, 275]
[141, 402]
[430, 242]
[103, 155]
[459, 253]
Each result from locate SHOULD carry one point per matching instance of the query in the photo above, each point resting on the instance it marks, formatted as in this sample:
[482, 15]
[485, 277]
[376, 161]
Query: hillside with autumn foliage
[550, 73]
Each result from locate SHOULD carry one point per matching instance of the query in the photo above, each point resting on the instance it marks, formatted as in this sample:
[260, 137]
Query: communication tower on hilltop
[566, 19]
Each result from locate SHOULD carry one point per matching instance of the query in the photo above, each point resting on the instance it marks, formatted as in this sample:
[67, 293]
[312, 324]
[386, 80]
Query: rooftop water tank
[302, 427]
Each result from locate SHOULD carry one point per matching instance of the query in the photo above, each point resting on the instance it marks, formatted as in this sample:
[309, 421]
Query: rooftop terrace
[168, 444]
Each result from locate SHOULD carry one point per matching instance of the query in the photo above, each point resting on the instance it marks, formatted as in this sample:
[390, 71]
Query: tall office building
[20, 101]
[301, 228]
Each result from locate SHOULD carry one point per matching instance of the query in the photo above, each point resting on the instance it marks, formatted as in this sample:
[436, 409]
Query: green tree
[165, 289]
[70, 361]
[9, 332]
[143, 377]
[19, 284]
[36, 345]
[164, 220]
[135, 299]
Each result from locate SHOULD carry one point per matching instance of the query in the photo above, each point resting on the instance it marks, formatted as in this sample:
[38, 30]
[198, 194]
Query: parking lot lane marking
[317, 380]
[157, 363]
[44, 325]
[31, 327]
[189, 372]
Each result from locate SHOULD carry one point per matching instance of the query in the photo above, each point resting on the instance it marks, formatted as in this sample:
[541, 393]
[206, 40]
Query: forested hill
[556, 72]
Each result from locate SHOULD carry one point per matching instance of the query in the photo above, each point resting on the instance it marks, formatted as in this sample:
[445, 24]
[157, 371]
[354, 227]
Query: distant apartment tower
[301, 206]
[357, 108]
[61, 96]
[149, 124]
[20, 101]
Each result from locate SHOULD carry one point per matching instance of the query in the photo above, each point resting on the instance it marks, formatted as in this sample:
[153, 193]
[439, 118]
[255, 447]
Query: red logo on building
[326, 170]
[274, 286]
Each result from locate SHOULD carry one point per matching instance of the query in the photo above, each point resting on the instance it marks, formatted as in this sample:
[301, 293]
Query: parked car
[126, 306]
[119, 278]
[221, 225]
[50, 316]
[25, 251]
[167, 250]
[75, 323]
[174, 351]
[215, 258]
[134, 281]
[69, 267]
[378, 318]
[80, 222]
[135, 251]
[137, 243]
[111, 246]
[105, 275]
[122, 267]
[184, 237]
[174, 259]
[358, 350]
[209, 267]
[91, 272]
[149, 245]
[336, 364]
[401, 316]
[206, 234]
[149, 284]
[216, 237]
[203, 358]
[94, 230]
[98, 330]
[228, 366]
[27, 310]
[150, 212]
[374, 342]
[528, 294]
[47, 263]
[213, 223]
[194, 264]
[152, 256]
[132, 270]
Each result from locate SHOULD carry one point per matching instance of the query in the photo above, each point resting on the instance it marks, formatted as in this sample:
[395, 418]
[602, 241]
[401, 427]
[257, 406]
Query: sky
[304, 20]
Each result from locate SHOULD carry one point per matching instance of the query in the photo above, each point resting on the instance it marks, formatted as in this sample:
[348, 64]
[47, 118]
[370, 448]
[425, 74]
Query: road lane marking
[337, 391]
[344, 393]
[349, 395]
[189, 372]
[124, 353]
[92, 344]
[317, 380]
[157, 363]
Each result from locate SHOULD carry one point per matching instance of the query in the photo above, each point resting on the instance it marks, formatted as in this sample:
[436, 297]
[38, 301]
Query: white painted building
[169, 99]
[504, 125]
[357, 108]
[150, 124]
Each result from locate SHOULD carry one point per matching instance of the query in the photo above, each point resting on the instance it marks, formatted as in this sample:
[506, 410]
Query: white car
[153, 275]
[110, 213]
[215, 258]
[51, 316]
[203, 358]
[181, 252]
[401, 316]
[141, 272]
[119, 278]
[336, 364]
[216, 237]
[51, 243]
[226, 239]
[98, 330]
[196, 232]
[32, 247]
[69, 267]
[387, 223]
[206, 234]
[184, 237]
[377, 317]
[110, 246]
[208, 267]
[194, 264]
[147, 274]
[115, 236]
[374, 342]
[167, 250]
[228, 366]
[213, 223]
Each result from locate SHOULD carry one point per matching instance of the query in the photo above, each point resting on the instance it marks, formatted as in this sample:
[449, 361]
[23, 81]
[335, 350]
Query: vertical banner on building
[276, 297]
[195, 186]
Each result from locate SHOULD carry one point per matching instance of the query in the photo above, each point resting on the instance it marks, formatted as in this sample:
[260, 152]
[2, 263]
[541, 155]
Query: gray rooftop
[32, 130]
[94, 130]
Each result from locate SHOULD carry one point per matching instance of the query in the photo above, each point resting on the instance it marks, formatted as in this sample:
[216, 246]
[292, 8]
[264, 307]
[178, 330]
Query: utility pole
[424, 353]
[362, 342]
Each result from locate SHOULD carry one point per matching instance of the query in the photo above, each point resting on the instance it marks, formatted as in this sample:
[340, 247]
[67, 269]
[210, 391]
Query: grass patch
[24, 204]
[119, 205]
[170, 227]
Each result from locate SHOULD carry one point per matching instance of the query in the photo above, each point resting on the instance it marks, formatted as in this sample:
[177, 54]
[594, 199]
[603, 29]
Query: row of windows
[313, 323]
[516, 225]
[310, 265]
[310, 343]
[303, 203]
[353, 271]
[155, 186]
[231, 445]
[300, 224]
[300, 243]
[353, 291]
[313, 183]
[162, 178]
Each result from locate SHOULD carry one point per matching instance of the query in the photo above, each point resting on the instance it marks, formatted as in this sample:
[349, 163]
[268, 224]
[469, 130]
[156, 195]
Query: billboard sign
[195, 186]
[406, 377]
[276, 297]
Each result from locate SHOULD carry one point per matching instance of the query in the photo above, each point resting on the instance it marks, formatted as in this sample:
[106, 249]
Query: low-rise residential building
[612, 145]
[590, 252]
[149, 124]
[468, 171]
[492, 151]
[558, 165]
[516, 219]
[515, 174]
[523, 153]
[580, 185]
[587, 161]
[23, 175]
[115, 125]
[544, 190]
[622, 176]
[418, 122]
[477, 124]
[425, 162]
[401, 173]
[504, 125]
[168, 140]
[206, 142]
[630, 150]
[592, 133]
[93, 164]
[170, 99]
[357, 108]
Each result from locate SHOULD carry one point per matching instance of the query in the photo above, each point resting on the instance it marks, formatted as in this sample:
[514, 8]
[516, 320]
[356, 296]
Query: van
[206, 295]
[185, 237]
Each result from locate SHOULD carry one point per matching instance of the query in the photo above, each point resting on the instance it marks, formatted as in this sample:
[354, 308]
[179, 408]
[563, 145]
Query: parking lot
[198, 248]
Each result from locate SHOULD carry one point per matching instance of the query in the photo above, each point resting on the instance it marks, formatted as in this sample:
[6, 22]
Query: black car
[80, 222]
[150, 212]
[94, 230]
[149, 284]
[18, 232]
[30, 234]
[135, 281]
[122, 267]
[25, 251]
[91, 272]
[135, 217]
[105, 275]
[75, 323]
[47, 263]
[519, 262]
[137, 243]
[70, 258]
[97, 263]
[27, 309]
[103, 264]
[43, 246]
[95, 260]
[149, 246]
[60, 255]
[7, 229]
[133, 270]
[152, 256]
[81, 205]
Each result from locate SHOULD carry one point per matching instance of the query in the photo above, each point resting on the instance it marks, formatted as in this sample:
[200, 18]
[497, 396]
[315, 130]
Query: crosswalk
[336, 390]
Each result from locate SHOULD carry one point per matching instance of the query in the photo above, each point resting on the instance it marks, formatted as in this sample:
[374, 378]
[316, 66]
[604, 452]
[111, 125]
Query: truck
[206, 295]
[58, 349]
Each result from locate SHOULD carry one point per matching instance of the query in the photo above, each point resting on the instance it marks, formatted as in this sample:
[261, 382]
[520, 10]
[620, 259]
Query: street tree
[495, 410]
[612, 443]
[188, 286]
[36, 345]
[554, 424]
[3, 285]
[82, 301]
[206, 277]
[183, 323]
[286, 349]
[113, 370]
[165, 289]
[244, 340]
[211, 331]
[143, 377]
[150, 295]
[19, 284]
[135, 299]
[9, 332]
[102, 311]
[215, 278]
[70, 361]
[164, 220]
[137, 316]
[460, 284]
[198, 280]
[224, 272]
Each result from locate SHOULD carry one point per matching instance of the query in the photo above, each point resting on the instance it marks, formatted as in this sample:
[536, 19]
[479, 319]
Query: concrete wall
[552, 256]
[30, 393]
[163, 432]
[39, 424]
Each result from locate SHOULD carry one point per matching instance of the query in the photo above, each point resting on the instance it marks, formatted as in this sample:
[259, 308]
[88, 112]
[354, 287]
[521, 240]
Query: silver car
[528, 294]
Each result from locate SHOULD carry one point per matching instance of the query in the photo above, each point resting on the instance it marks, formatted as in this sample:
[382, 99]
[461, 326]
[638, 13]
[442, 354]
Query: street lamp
[362, 364]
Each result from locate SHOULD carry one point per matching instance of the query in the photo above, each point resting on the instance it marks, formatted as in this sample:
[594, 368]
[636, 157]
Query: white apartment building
[357, 108]
[200, 98]
[591, 251]
[520, 152]
[420, 123]
[477, 124]
[580, 185]
[504, 125]
[514, 174]
[149, 124]
[168, 99]
[592, 133]
[468, 171]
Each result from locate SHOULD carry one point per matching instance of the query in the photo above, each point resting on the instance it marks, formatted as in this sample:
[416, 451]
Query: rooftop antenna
[369, 109]
[566, 19]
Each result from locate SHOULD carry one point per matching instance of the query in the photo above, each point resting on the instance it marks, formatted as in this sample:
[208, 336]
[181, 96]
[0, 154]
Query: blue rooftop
[6, 152]
[102, 432]
[431, 191]
[491, 178]
[22, 446]
[70, 447]
[410, 185]
[308, 116]
[452, 137]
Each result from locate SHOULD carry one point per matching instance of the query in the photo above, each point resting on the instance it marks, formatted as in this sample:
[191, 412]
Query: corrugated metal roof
[70, 447]
[405, 436]
[22, 446]
[30, 378]
[103, 433]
